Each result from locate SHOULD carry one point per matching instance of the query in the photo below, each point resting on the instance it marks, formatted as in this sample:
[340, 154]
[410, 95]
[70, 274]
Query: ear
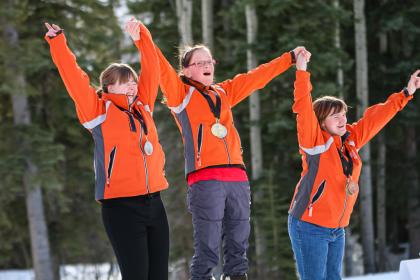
[109, 88]
[186, 72]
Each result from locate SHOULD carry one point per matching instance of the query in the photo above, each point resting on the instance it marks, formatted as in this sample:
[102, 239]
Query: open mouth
[206, 73]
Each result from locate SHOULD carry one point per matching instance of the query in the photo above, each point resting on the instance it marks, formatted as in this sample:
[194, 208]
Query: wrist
[293, 56]
[407, 92]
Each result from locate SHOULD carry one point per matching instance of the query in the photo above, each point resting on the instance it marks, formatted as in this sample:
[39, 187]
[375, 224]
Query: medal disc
[148, 148]
[219, 130]
[352, 187]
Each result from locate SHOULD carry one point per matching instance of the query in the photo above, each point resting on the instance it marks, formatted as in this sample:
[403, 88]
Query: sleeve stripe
[178, 109]
[98, 120]
[318, 149]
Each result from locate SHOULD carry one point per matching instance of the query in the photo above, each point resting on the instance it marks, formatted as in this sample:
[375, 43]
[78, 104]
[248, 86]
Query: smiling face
[199, 66]
[335, 123]
[331, 113]
[128, 88]
[120, 78]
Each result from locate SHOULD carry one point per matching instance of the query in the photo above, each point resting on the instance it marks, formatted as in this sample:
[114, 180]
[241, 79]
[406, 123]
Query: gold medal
[148, 148]
[219, 130]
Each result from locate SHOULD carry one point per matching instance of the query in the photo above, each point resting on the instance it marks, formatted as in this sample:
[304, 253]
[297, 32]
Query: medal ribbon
[215, 108]
[347, 164]
[140, 118]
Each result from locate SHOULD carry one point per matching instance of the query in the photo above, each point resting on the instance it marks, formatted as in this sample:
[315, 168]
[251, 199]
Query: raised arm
[148, 84]
[308, 128]
[377, 116]
[90, 110]
[243, 85]
[172, 87]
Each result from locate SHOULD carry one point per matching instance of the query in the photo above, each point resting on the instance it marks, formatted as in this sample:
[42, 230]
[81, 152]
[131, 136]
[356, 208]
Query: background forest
[361, 50]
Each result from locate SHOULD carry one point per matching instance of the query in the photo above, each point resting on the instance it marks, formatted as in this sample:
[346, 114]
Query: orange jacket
[320, 195]
[121, 166]
[194, 117]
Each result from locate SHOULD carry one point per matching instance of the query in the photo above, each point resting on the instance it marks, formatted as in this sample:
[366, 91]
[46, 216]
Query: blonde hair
[116, 73]
[327, 105]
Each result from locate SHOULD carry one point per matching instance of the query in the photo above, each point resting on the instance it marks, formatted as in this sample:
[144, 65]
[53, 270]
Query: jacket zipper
[111, 164]
[239, 137]
[345, 206]
[200, 143]
[316, 197]
[144, 161]
[227, 149]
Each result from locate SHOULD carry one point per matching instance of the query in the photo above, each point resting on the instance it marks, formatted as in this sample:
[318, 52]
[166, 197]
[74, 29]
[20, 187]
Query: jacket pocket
[316, 196]
[199, 143]
[111, 163]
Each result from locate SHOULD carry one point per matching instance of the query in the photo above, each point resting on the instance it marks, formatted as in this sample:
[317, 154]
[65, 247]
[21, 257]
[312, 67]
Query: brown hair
[327, 105]
[115, 73]
[186, 53]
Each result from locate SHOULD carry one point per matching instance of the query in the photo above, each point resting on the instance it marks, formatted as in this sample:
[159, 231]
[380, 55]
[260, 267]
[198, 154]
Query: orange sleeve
[172, 87]
[149, 75]
[308, 128]
[90, 110]
[376, 117]
[243, 85]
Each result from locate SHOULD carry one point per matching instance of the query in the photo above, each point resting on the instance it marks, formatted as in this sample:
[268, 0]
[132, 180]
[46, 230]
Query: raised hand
[53, 30]
[414, 82]
[132, 27]
[300, 49]
[302, 60]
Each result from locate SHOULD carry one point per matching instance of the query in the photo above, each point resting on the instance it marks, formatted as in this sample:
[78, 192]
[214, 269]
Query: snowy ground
[379, 276]
[69, 272]
[103, 272]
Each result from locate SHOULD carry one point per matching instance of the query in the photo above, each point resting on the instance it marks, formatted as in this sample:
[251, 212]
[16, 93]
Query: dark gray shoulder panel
[303, 195]
[187, 134]
[99, 162]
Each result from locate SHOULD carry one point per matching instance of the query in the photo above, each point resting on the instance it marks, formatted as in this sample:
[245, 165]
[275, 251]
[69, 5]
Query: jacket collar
[199, 86]
[119, 100]
[339, 141]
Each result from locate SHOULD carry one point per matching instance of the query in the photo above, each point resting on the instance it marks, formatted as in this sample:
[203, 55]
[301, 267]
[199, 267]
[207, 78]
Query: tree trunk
[41, 256]
[412, 177]
[207, 23]
[184, 14]
[381, 202]
[337, 44]
[255, 141]
[366, 176]
[381, 182]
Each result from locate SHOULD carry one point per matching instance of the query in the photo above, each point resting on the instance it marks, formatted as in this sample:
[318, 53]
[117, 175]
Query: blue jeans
[318, 250]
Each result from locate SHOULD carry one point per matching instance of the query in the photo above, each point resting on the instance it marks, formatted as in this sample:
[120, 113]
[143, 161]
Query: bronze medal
[351, 187]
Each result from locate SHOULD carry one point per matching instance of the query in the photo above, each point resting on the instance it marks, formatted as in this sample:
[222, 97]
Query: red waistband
[226, 174]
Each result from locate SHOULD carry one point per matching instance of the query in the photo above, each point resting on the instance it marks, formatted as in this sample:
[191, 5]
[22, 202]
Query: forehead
[125, 80]
[335, 112]
[201, 54]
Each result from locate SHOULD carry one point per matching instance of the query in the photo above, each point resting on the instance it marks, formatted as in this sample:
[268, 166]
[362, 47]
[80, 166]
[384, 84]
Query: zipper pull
[310, 210]
[107, 181]
[199, 159]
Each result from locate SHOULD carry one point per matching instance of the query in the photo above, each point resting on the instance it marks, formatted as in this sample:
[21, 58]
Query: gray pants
[220, 210]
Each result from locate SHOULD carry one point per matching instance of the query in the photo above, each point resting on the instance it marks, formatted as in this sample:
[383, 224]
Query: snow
[378, 276]
[103, 272]
[69, 272]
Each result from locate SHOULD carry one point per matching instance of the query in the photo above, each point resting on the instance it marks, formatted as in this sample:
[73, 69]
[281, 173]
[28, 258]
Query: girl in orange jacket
[128, 159]
[219, 191]
[327, 191]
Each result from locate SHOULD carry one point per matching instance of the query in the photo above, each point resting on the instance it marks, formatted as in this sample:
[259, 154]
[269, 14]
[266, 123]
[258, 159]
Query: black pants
[138, 230]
